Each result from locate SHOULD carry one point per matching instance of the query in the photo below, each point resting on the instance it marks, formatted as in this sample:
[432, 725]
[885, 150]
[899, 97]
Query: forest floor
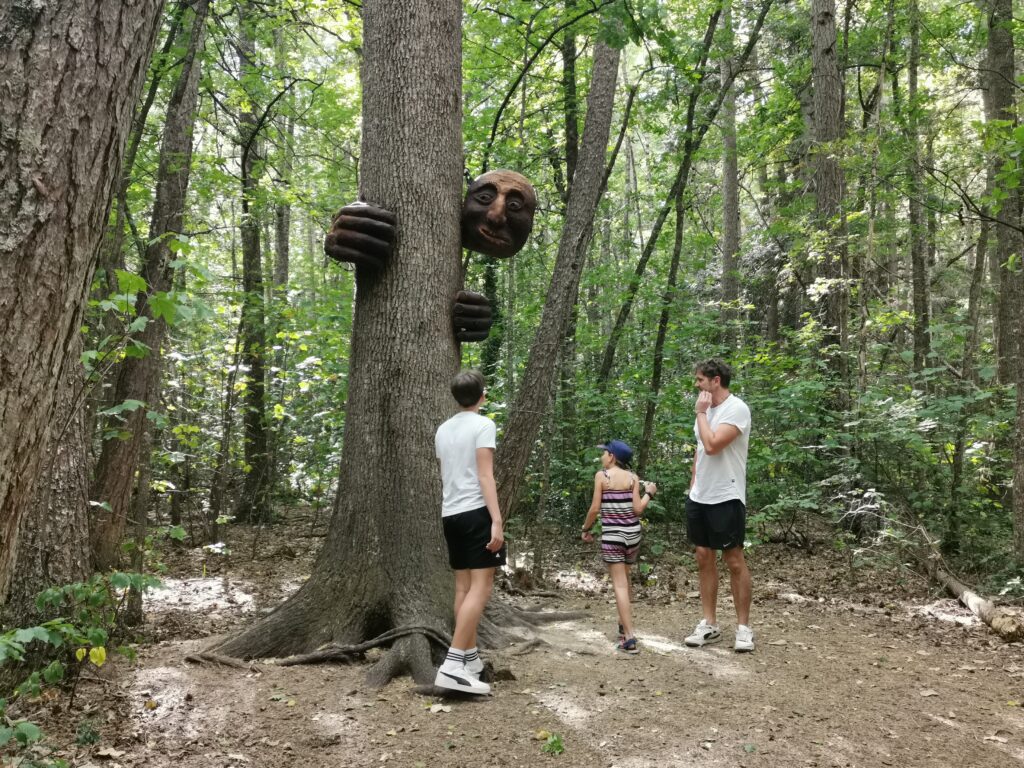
[863, 668]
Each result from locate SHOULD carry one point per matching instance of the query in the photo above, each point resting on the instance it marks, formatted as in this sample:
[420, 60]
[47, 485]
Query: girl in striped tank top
[617, 498]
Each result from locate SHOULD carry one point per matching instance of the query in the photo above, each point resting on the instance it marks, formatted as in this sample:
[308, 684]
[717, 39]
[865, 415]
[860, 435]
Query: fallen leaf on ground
[108, 753]
[929, 692]
[542, 735]
[435, 708]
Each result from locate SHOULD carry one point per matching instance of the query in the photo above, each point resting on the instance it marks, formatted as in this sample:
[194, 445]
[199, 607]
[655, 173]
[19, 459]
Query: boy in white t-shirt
[716, 510]
[465, 444]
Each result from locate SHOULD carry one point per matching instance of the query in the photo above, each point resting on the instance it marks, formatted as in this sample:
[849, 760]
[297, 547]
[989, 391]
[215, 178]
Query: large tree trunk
[383, 564]
[54, 532]
[72, 71]
[531, 401]
[138, 377]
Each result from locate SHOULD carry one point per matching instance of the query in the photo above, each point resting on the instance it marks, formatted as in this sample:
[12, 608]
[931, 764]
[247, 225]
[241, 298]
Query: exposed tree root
[524, 648]
[207, 657]
[411, 654]
[347, 653]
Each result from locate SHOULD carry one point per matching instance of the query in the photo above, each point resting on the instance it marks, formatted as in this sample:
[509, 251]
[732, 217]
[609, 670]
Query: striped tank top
[620, 526]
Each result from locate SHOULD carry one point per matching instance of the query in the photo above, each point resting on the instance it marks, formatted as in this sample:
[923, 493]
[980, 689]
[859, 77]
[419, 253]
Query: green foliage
[553, 745]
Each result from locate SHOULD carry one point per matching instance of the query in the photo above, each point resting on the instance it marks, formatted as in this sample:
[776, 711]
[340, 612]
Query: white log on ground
[1009, 625]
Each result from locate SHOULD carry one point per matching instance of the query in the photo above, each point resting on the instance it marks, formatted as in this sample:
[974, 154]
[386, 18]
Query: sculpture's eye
[514, 204]
[484, 197]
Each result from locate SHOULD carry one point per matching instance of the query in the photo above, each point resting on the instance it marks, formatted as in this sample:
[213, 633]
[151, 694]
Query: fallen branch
[1008, 624]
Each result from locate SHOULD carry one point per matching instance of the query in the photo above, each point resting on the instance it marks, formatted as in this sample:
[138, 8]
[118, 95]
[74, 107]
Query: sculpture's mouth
[493, 237]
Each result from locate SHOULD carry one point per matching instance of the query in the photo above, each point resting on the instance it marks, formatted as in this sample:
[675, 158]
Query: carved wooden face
[497, 215]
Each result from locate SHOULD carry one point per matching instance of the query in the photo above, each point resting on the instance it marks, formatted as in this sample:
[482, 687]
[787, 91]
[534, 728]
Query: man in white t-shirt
[465, 444]
[716, 512]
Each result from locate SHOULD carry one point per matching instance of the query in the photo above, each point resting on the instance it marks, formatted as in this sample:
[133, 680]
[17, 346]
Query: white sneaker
[703, 634]
[460, 679]
[744, 639]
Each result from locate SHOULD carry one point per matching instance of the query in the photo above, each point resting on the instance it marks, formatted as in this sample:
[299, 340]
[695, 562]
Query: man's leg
[739, 578]
[472, 607]
[708, 570]
[620, 583]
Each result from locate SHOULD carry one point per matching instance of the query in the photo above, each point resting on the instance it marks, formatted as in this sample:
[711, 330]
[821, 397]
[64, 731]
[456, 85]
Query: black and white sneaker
[459, 679]
[704, 633]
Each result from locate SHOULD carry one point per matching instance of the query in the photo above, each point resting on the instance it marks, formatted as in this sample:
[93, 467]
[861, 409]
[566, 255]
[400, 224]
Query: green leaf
[129, 282]
[27, 635]
[176, 532]
[120, 580]
[6, 734]
[127, 405]
[27, 732]
[54, 672]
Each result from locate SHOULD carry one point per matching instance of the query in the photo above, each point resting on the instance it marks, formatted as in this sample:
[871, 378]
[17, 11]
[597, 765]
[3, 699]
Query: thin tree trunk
[668, 299]
[918, 258]
[253, 504]
[535, 388]
[1002, 99]
[730, 190]
[72, 71]
[138, 377]
[828, 185]
[693, 142]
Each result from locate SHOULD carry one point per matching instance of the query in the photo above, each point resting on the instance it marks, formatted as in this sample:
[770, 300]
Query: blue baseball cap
[619, 450]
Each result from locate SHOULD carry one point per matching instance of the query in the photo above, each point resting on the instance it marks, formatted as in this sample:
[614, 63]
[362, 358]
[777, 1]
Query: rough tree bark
[1002, 101]
[138, 377]
[531, 400]
[54, 532]
[828, 179]
[382, 564]
[71, 71]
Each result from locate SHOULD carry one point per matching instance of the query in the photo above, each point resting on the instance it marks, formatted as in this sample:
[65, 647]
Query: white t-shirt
[723, 476]
[455, 444]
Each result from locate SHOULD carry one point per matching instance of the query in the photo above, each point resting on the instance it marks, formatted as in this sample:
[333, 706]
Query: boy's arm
[489, 489]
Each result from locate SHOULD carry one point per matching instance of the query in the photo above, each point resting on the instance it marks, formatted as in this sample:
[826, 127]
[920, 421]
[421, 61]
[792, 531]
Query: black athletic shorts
[717, 526]
[467, 535]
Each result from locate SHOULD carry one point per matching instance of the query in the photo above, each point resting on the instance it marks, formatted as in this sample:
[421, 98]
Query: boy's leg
[739, 578]
[472, 608]
[620, 583]
[462, 582]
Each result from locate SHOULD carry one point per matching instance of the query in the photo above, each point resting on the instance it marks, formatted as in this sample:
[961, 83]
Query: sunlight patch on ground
[660, 644]
[166, 688]
[209, 594]
[568, 711]
[948, 610]
[334, 723]
[581, 581]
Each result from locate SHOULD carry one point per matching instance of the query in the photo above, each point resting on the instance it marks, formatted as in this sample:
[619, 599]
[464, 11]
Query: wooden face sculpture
[497, 215]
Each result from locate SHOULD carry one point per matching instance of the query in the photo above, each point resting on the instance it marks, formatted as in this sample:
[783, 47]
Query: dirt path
[832, 683]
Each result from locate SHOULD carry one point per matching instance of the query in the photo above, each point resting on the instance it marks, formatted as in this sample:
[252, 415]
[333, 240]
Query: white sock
[456, 658]
[471, 654]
